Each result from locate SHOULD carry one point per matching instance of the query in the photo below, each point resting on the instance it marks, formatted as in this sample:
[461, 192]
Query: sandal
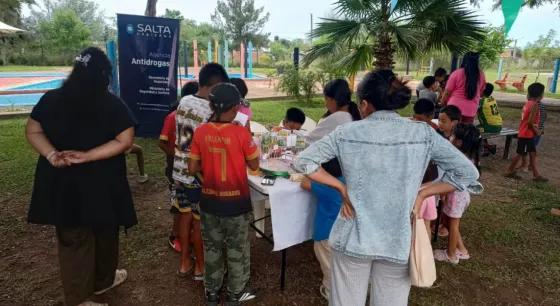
[513, 175]
[198, 277]
[540, 179]
[442, 231]
[90, 303]
[185, 274]
[324, 292]
[462, 256]
[120, 277]
[441, 255]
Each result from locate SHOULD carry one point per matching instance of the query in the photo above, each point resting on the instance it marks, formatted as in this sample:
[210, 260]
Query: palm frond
[343, 30]
[355, 8]
[357, 59]
[326, 50]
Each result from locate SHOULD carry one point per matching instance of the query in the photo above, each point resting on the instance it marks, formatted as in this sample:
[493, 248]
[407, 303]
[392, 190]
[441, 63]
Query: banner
[511, 9]
[148, 63]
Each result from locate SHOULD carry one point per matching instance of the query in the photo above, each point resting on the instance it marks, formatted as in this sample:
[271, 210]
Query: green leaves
[66, 33]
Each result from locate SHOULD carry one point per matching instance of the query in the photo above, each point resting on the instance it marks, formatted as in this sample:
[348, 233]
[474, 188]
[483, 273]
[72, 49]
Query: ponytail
[354, 111]
[339, 90]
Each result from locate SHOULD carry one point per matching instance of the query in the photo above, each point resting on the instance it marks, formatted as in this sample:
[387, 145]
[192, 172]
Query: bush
[293, 83]
[265, 60]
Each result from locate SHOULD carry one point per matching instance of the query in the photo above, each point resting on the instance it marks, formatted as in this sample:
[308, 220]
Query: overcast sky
[291, 18]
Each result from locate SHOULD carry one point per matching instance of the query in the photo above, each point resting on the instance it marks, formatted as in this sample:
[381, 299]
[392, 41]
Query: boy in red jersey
[528, 130]
[222, 151]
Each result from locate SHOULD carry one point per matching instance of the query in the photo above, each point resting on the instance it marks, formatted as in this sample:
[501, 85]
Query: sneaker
[212, 298]
[90, 303]
[248, 294]
[540, 179]
[120, 277]
[174, 243]
[441, 255]
[325, 292]
[143, 178]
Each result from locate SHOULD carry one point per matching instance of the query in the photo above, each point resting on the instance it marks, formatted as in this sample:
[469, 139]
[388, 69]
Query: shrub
[299, 84]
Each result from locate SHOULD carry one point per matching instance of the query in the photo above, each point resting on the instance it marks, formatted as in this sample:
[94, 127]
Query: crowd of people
[369, 167]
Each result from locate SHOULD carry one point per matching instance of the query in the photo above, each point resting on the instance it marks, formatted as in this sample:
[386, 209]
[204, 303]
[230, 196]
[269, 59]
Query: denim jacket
[383, 159]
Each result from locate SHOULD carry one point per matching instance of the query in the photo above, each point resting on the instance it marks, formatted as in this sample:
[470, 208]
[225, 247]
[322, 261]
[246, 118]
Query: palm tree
[151, 8]
[365, 32]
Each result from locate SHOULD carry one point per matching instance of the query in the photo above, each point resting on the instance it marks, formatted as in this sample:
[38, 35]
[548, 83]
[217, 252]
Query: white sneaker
[90, 303]
[120, 277]
[143, 178]
[325, 292]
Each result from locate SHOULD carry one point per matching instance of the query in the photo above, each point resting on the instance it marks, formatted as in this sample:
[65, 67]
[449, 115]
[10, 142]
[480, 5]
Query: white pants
[323, 253]
[390, 282]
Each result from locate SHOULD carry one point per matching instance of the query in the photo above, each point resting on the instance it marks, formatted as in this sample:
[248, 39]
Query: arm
[253, 164]
[306, 184]
[162, 144]
[39, 141]
[531, 121]
[445, 97]
[194, 165]
[119, 145]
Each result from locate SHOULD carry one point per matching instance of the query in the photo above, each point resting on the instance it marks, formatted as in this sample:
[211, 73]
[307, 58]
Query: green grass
[29, 68]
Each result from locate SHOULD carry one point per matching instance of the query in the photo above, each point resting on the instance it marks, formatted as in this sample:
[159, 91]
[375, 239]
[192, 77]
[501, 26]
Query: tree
[10, 11]
[365, 32]
[88, 11]
[492, 45]
[543, 51]
[174, 14]
[66, 34]
[240, 21]
[202, 33]
[151, 8]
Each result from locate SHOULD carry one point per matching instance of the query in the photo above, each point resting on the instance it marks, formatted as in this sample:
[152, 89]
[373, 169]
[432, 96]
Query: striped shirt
[542, 118]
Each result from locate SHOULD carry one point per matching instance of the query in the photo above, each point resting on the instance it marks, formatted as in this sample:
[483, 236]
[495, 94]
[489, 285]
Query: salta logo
[129, 29]
[150, 30]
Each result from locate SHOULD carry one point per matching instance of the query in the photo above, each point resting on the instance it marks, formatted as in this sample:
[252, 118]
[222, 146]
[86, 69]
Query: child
[221, 151]
[528, 130]
[489, 117]
[294, 120]
[167, 144]
[440, 75]
[467, 139]
[193, 111]
[424, 112]
[430, 89]
[245, 106]
[542, 118]
[449, 116]
[329, 203]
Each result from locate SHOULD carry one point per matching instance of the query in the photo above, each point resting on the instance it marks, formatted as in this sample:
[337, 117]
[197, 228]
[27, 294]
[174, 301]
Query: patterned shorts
[456, 204]
[187, 198]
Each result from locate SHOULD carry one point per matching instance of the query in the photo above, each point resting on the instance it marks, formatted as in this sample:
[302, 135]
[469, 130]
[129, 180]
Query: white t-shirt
[327, 125]
[191, 113]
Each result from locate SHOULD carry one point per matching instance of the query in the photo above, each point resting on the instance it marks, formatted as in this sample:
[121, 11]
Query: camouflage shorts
[234, 232]
[187, 198]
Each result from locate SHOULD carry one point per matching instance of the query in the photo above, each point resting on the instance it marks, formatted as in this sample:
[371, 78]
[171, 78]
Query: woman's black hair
[470, 141]
[470, 64]
[241, 86]
[383, 90]
[87, 85]
[339, 90]
[332, 167]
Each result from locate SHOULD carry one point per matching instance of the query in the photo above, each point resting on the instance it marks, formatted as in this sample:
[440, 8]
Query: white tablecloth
[292, 209]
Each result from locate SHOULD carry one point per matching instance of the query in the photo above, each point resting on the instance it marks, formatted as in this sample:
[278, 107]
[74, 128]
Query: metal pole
[555, 76]
[245, 57]
[250, 59]
[226, 55]
[112, 54]
[209, 52]
[500, 68]
[296, 58]
[310, 37]
[186, 58]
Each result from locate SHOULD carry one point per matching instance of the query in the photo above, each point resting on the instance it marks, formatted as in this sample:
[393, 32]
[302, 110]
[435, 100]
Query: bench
[517, 81]
[509, 134]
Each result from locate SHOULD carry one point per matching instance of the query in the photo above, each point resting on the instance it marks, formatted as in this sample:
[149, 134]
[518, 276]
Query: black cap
[224, 96]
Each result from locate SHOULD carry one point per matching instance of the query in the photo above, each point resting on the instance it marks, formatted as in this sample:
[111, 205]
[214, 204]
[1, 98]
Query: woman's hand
[347, 210]
[57, 160]
[77, 157]
[418, 206]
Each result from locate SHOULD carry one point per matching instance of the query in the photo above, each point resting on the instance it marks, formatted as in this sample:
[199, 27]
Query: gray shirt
[428, 94]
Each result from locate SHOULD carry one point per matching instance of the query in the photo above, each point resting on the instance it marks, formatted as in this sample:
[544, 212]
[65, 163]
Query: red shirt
[223, 149]
[524, 131]
[168, 132]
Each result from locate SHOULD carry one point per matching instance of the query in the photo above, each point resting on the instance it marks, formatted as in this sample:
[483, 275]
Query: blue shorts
[537, 141]
[187, 198]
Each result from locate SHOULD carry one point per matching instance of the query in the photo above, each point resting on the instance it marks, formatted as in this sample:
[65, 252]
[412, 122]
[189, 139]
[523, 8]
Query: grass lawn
[30, 68]
[512, 238]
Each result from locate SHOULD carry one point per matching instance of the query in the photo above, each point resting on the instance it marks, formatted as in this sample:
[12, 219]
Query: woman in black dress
[82, 131]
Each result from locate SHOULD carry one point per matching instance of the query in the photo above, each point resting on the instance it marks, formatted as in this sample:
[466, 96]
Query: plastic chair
[308, 126]
[258, 128]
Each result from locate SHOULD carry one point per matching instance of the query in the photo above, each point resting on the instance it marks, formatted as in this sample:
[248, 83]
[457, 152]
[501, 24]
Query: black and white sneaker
[212, 298]
[249, 294]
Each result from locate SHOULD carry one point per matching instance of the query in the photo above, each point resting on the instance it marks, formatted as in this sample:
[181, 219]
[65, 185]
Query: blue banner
[148, 63]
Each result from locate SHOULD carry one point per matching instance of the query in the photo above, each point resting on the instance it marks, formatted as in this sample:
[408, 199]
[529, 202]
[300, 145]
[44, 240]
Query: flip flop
[441, 255]
[185, 274]
[513, 175]
[462, 256]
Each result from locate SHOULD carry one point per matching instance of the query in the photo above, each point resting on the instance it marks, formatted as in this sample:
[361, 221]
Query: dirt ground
[29, 267]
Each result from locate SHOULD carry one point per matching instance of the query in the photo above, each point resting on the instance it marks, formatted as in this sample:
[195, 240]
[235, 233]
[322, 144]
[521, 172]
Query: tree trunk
[384, 52]
[151, 8]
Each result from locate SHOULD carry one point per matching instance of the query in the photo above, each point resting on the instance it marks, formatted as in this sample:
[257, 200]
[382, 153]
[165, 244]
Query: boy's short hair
[424, 107]
[212, 74]
[488, 90]
[452, 111]
[332, 167]
[241, 86]
[440, 72]
[188, 89]
[535, 90]
[296, 115]
[429, 81]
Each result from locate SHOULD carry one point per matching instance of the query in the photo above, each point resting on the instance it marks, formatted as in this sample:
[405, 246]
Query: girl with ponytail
[340, 109]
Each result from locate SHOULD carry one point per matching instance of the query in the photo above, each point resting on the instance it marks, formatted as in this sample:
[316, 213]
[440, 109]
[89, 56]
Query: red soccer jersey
[168, 132]
[223, 149]
[524, 131]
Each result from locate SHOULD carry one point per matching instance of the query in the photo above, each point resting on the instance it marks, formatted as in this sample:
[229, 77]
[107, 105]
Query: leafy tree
[492, 45]
[202, 33]
[543, 51]
[241, 21]
[279, 52]
[66, 33]
[10, 11]
[365, 33]
[174, 14]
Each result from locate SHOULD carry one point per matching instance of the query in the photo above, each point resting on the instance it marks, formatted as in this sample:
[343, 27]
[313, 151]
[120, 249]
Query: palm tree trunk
[151, 8]
[384, 52]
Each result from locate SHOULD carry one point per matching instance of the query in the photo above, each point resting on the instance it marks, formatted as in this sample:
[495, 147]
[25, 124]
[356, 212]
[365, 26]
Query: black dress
[84, 195]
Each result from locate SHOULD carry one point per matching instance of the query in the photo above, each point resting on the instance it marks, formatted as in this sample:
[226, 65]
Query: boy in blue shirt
[329, 203]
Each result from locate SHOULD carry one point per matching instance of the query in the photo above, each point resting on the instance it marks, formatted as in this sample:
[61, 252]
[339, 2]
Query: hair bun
[400, 97]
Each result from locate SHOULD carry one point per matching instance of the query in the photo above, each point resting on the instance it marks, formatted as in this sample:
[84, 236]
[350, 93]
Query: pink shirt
[458, 96]
[246, 110]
